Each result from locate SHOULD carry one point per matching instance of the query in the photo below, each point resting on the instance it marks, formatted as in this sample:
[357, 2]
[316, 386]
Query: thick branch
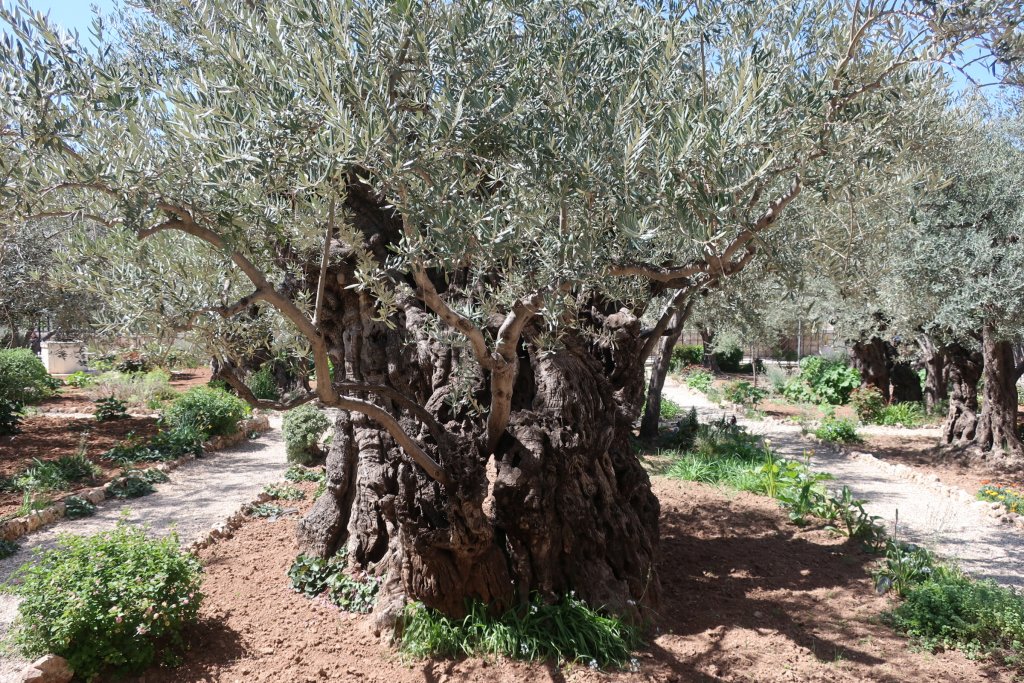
[454, 319]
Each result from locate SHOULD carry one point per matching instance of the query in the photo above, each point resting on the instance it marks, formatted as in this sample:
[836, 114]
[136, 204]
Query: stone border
[14, 529]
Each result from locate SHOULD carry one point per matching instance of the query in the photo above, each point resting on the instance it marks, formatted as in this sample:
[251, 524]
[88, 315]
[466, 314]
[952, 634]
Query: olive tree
[459, 212]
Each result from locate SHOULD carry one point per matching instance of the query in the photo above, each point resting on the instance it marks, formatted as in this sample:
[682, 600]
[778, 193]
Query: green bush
[822, 380]
[132, 362]
[952, 610]
[211, 412]
[670, 410]
[168, 444]
[77, 507]
[868, 403]
[837, 430]
[303, 427]
[263, 385]
[700, 380]
[744, 394]
[114, 600]
[110, 408]
[729, 360]
[23, 378]
[55, 475]
[8, 548]
[683, 355]
[568, 631]
[132, 485]
[10, 417]
[906, 414]
[80, 380]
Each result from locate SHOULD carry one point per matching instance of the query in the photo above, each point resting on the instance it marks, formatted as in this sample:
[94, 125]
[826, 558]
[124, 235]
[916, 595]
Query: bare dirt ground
[745, 596]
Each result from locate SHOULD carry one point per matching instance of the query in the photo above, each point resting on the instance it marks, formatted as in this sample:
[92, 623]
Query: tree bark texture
[561, 504]
[659, 372]
[963, 372]
[933, 357]
[871, 357]
[997, 424]
[707, 338]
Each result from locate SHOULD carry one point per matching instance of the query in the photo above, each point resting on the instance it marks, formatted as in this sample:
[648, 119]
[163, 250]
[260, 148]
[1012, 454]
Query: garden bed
[745, 596]
[77, 400]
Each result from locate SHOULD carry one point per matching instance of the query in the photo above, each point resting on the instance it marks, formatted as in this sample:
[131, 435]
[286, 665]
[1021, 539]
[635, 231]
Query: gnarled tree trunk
[659, 372]
[934, 359]
[707, 338]
[997, 424]
[963, 372]
[906, 385]
[561, 504]
[871, 357]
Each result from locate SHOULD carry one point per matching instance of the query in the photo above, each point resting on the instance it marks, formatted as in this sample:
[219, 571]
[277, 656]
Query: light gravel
[946, 520]
[200, 494]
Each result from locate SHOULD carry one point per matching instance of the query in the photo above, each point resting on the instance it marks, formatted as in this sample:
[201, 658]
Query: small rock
[47, 669]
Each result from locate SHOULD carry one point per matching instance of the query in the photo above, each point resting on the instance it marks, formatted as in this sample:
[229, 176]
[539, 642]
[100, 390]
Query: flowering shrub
[117, 599]
[1010, 496]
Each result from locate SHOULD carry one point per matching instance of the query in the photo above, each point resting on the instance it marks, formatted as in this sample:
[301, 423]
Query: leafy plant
[299, 473]
[23, 377]
[1010, 496]
[566, 631]
[263, 385]
[80, 380]
[122, 603]
[683, 355]
[110, 408]
[167, 444]
[136, 389]
[837, 429]
[132, 485]
[8, 548]
[729, 359]
[868, 403]
[303, 428]
[950, 610]
[283, 492]
[265, 510]
[906, 414]
[904, 565]
[822, 380]
[700, 380]
[856, 522]
[77, 507]
[211, 412]
[744, 394]
[10, 417]
[313, 576]
[670, 409]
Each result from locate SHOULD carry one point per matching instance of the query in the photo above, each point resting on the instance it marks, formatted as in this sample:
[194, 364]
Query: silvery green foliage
[546, 142]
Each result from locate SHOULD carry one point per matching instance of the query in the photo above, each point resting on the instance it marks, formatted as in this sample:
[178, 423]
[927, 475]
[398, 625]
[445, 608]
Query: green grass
[567, 631]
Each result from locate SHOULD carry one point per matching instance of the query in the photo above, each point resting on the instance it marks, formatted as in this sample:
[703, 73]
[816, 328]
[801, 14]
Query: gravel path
[946, 520]
[200, 494]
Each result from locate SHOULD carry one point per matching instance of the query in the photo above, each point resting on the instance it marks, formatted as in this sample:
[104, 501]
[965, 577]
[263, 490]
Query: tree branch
[454, 320]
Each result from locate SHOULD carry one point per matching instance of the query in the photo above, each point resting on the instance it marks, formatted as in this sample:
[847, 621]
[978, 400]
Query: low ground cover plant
[110, 408]
[299, 473]
[303, 427]
[80, 380]
[744, 394]
[906, 414]
[122, 603]
[132, 485]
[140, 389]
[167, 444]
[315, 576]
[700, 380]
[54, 475]
[284, 492]
[871, 408]
[8, 548]
[210, 411]
[76, 507]
[265, 510]
[567, 631]
[837, 430]
[23, 377]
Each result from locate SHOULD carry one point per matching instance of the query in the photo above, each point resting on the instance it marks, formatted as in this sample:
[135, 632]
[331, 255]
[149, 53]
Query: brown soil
[746, 596]
[75, 400]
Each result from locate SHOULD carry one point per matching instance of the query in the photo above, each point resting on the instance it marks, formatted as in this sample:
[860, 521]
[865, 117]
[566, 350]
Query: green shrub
[744, 394]
[868, 403]
[299, 473]
[212, 412]
[837, 430]
[78, 507]
[23, 377]
[111, 408]
[132, 362]
[683, 355]
[313, 576]
[265, 510]
[700, 380]
[263, 385]
[8, 548]
[952, 610]
[115, 600]
[55, 475]
[776, 378]
[670, 410]
[904, 566]
[567, 631]
[822, 380]
[906, 414]
[303, 427]
[80, 380]
[167, 444]
[729, 360]
[10, 417]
